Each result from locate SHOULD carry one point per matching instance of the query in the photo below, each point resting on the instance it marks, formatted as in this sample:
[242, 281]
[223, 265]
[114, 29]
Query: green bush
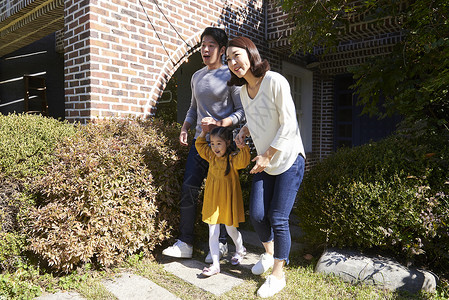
[17, 286]
[110, 192]
[12, 245]
[26, 144]
[10, 194]
[391, 195]
[27, 141]
[12, 241]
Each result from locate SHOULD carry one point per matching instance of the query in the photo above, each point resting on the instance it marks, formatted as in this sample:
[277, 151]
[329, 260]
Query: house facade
[105, 58]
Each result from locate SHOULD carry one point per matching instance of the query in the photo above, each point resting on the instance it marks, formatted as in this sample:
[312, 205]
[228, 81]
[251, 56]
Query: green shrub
[12, 245]
[391, 195]
[166, 159]
[26, 142]
[110, 192]
[10, 194]
[12, 241]
[24, 283]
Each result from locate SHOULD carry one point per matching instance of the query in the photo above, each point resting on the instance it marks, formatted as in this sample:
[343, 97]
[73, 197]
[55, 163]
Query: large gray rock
[387, 273]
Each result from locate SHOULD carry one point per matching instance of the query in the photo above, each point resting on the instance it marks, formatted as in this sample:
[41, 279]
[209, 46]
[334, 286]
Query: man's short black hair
[218, 34]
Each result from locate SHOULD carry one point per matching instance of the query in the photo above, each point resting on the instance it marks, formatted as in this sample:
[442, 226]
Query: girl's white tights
[214, 233]
[236, 237]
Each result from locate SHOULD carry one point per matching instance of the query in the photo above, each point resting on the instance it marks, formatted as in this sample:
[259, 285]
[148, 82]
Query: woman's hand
[241, 136]
[262, 161]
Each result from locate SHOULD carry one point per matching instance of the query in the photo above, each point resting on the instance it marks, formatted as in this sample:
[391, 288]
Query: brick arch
[116, 64]
[181, 54]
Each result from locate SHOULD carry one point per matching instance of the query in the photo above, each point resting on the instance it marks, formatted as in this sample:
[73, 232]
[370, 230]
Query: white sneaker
[265, 262]
[223, 252]
[179, 249]
[271, 286]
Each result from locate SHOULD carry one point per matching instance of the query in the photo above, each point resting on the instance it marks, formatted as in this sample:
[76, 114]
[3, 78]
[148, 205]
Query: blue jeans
[195, 172]
[271, 201]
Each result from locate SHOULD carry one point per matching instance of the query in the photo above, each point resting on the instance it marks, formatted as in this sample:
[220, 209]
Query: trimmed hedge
[94, 193]
[27, 141]
[112, 190]
[391, 195]
[26, 144]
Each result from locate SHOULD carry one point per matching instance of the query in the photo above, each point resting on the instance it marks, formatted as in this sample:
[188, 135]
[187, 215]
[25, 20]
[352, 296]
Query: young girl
[223, 203]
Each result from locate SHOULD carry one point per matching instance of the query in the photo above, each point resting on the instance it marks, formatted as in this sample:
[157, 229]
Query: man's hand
[183, 137]
[208, 123]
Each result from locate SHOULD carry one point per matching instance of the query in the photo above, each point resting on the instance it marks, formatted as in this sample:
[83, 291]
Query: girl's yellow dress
[223, 202]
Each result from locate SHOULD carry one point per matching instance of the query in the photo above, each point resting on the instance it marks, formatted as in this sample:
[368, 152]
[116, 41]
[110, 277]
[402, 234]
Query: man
[213, 104]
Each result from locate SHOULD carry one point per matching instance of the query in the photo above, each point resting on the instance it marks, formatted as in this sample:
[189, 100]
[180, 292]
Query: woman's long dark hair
[225, 133]
[258, 66]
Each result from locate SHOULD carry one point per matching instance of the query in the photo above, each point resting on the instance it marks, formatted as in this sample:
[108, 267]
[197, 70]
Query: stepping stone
[126, 286]
[189, 270]
[248, 261]
[387, 273]
[61, 296]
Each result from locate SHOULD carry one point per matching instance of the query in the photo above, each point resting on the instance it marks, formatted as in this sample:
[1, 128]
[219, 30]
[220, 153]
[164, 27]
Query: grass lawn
[302, 283]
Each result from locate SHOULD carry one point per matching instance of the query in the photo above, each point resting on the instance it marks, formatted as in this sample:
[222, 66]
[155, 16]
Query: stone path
[130, 286]
[126, 286]
[189, 271]
[376, 270]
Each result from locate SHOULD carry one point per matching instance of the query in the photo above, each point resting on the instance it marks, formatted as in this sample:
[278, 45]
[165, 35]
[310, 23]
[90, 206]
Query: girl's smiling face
[238, 61]
[218, 145]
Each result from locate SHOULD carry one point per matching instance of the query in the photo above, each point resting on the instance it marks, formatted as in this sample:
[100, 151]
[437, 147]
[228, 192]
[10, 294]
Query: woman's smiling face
[238, 61]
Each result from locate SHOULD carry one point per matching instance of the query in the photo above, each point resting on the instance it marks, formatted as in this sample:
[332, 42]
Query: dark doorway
[175, 100]
[37, 59]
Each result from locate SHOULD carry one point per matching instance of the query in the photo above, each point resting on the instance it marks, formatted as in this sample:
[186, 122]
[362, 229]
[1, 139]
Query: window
[301, 85]
[351, 128]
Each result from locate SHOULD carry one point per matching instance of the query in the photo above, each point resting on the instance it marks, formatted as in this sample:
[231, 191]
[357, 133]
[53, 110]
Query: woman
[279, 164]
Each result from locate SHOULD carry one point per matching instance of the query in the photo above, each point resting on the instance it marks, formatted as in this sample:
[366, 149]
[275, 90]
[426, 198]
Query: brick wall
[354, 52]
[278, 28]
[10, 7]
[327, 116]
[59, 43]
[115, 64]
